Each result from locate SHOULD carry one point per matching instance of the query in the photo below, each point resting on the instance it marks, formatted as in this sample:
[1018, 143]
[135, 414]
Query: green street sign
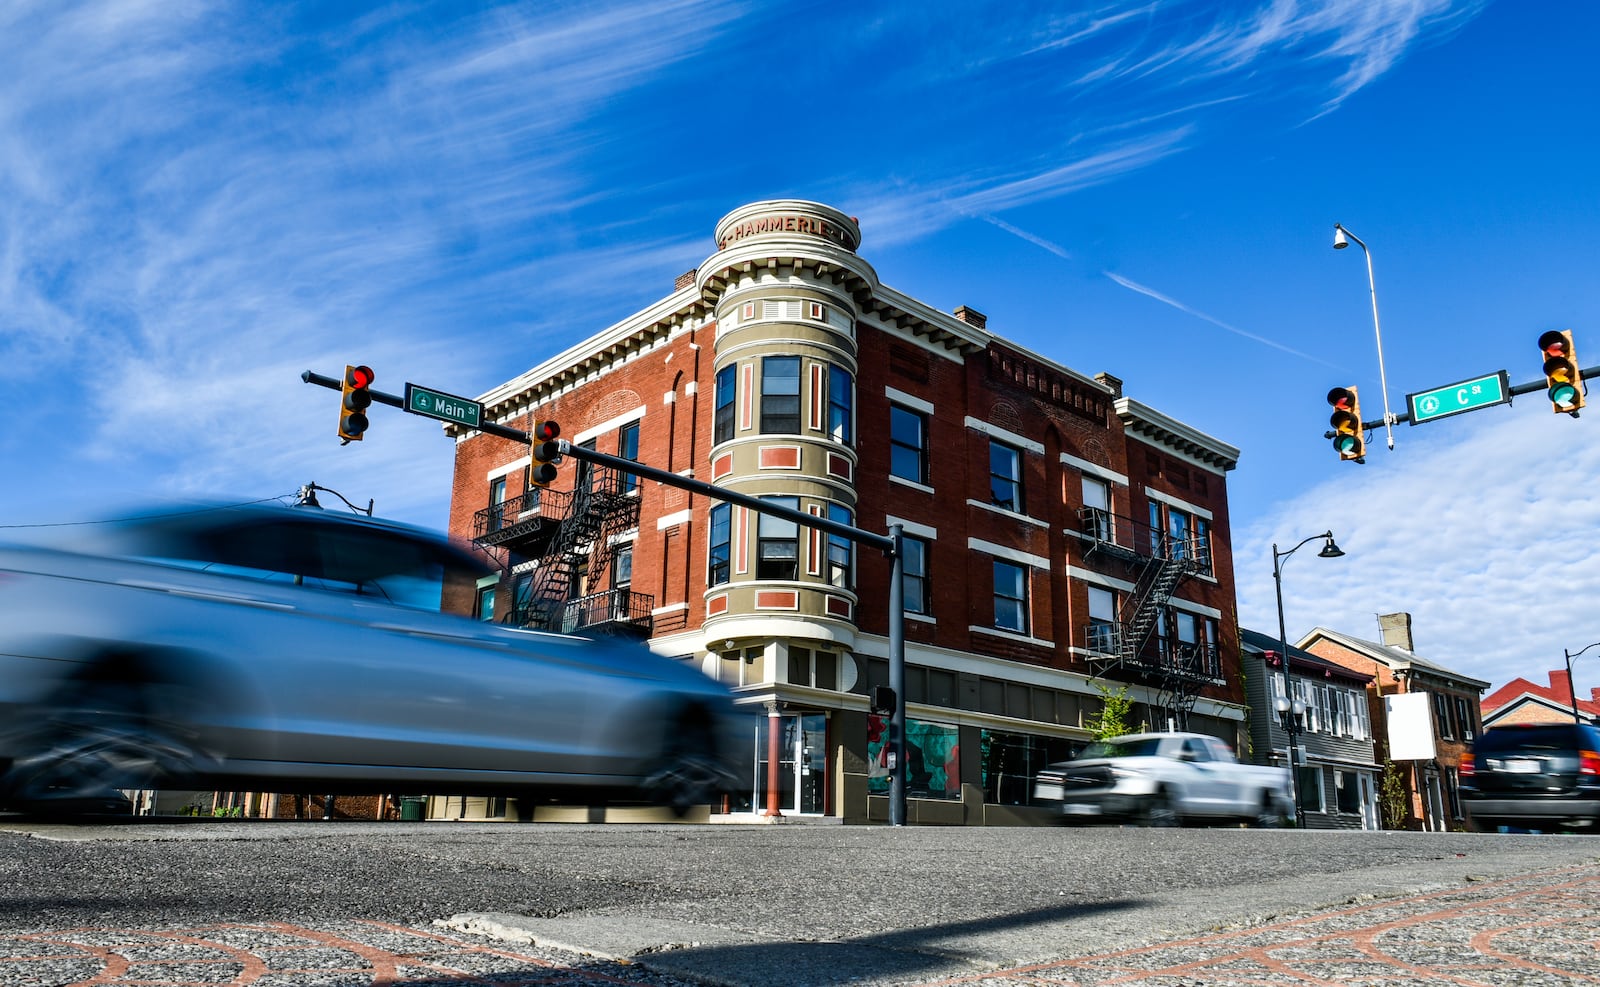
[1462, 396]
[445, 407]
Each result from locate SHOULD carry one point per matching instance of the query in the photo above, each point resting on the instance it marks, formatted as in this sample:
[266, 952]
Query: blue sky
[199, 200]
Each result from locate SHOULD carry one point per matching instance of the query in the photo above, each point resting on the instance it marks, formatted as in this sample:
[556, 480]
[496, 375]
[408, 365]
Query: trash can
[413, 808]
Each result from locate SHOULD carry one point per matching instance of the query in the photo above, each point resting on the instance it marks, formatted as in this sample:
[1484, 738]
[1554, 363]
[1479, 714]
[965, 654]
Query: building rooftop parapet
[1051, 382]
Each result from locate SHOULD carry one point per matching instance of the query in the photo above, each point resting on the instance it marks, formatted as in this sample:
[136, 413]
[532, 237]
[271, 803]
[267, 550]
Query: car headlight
[1126, 773]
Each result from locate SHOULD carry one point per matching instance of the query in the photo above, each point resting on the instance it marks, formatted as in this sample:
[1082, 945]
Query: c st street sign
[1453, 399]
[445, 407]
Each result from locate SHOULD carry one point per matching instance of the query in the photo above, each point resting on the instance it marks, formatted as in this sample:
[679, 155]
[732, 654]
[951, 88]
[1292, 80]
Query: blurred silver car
[269, 648]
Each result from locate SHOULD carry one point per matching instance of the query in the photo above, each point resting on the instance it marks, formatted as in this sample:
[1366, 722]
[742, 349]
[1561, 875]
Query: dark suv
[1543, 776]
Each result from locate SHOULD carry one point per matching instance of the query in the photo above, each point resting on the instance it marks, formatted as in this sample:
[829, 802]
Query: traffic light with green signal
[1348, 439]
[357, 398]
[1561, 373]
[546, 454]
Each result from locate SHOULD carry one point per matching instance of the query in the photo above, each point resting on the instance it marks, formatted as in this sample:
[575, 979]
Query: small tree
[1112, 720]
[1392, 796]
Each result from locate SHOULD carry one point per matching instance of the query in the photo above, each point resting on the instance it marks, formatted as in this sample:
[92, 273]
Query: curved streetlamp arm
[314, 487]
[1288, 669]
[1572, 690]
[1372, 289]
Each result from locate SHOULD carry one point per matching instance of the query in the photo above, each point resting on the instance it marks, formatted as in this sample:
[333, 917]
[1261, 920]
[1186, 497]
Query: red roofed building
[1520, 701]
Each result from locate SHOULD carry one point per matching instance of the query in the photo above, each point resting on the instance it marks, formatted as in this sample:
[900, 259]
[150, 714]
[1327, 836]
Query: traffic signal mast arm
[881, 542]
[1531, 387]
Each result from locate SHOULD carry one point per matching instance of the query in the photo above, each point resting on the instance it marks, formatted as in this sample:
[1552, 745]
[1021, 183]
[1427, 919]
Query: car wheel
[1267, 814]
[1159, 810]
[690, 773]
[98, 735]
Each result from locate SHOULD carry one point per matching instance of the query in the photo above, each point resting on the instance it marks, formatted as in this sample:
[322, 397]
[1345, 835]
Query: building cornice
[639, 332]
[1144, 422]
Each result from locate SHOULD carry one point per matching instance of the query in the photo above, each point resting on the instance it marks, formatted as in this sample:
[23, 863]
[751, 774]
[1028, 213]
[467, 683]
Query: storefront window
[932, 759]
[1011, 760]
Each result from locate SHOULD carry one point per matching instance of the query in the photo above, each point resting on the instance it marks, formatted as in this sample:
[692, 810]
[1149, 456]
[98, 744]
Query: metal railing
[1103, 639]
[1127, 536]
[538, 502]
[606, 608]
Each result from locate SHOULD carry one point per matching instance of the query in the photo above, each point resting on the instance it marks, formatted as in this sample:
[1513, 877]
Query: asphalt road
[773, 905]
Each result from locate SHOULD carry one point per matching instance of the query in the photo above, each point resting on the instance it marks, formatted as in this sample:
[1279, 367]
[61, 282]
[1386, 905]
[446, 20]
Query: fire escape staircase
[1176, 672]
[552, 536]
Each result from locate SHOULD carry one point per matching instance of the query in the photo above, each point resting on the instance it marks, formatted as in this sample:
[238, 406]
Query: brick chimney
[1396, 628]
[1560, 684]
[972, 317]
[1114, 383]
[685, 279]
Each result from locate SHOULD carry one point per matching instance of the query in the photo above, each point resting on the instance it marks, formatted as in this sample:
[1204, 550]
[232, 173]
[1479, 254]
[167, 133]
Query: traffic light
[1561, 374]
[546, 453]
[1346, 421]
[357, 390]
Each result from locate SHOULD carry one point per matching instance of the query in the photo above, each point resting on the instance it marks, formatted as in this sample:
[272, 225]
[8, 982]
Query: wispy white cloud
[1184, 44]
[1038, 241]
[1148, 292]
[188, 249]
[907, 212]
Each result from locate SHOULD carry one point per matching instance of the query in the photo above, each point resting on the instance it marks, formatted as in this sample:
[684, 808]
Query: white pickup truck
[1165, 779]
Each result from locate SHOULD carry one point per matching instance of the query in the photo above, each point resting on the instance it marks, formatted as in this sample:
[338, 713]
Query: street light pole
[1571, 689]
[1329, 551]
[1339, 243]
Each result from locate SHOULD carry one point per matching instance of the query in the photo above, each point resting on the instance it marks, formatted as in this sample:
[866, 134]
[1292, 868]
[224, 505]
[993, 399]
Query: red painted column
[774, 760]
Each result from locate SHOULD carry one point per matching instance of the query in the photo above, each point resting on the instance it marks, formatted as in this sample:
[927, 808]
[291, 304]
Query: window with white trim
[908, 444]
[914, 575]
[1102, 620]
[1010, 596]
[1005, 476]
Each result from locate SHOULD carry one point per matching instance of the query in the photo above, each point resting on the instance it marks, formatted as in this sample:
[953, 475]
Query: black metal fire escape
[1176, 671]
[548, 538]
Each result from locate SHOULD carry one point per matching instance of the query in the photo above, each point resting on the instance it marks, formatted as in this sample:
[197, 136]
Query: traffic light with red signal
[1348, 439]
[357, 391]
[1561, 373]
[546, 454]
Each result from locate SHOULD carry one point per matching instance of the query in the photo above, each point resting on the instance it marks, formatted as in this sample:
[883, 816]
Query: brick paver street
[1536, 929]
[276, 954]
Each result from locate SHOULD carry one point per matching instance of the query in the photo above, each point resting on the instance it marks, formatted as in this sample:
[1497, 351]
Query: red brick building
[1062, 537]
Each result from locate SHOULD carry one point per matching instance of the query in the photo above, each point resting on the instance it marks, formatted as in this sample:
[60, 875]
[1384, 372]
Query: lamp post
[1571, 690]
[1341, 240]
[1329, 551]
